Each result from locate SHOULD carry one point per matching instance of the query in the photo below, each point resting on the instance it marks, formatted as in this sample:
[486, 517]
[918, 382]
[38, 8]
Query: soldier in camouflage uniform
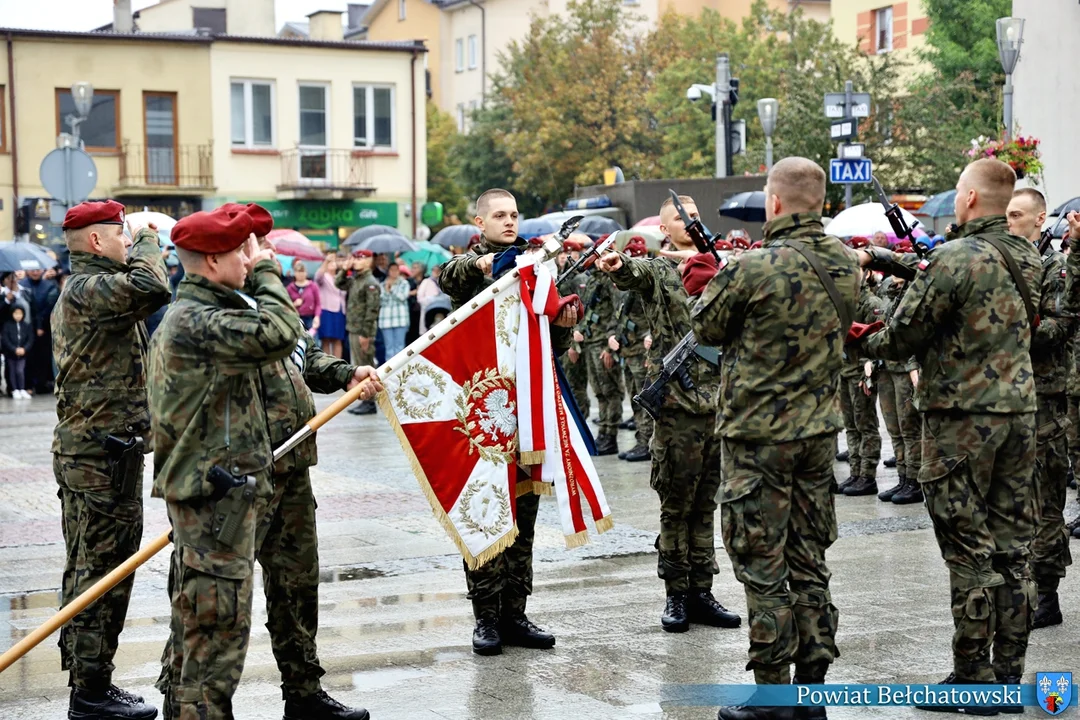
[858, 400]
[362, 303]
[500, 589]
[100, 348]
[574, 365]
[685, 448]
[592, 332]
[1072, 392]
[631, 329]
[781, 334]
[1050, 548]
[208, 423]
[965, 321]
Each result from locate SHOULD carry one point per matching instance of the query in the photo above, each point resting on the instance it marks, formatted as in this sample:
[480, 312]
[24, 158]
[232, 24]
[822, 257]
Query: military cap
[755, 245]
[212, 232]
[473, 241]
[698, 271]
[262, 222]
[574, 246]
[859, 242]
[363, 253]
[723, 245]
[103, 212]
[636, 247]
[904, 246]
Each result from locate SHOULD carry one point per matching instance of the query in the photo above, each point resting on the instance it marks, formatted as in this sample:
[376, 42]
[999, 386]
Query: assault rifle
[896, 218]
[595, 250]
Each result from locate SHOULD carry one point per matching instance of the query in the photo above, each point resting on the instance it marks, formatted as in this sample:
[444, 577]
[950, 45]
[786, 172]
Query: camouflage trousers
[686, 475]
[210, 585]
[902, 420]
[577, 374]
[861, 426]
[505, 582]
[778, 518]
[1050, 553]
[976, 476]
[608, 388]
[101, 530]
[358, 355]
[635, 377]
[1073, 435]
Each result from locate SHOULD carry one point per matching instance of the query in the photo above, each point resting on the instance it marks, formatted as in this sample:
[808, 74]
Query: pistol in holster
[232, 498]
[125, 458]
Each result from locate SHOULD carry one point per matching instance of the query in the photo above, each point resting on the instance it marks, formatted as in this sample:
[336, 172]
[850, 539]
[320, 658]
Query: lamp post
[1010, 33]
[719, 92]
[82, 93]
[767, 109]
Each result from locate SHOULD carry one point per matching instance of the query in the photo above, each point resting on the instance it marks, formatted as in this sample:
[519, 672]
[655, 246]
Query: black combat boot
[1048, 611]
[846, 484]
[606, 445]
[1072, 480]
[703, 609]
[748, 712]
[981, 710]
[630, 424]
[887, 495]
[365, 407]
[320, 706]
[1073, 527]
[518, 630]
[862, 486]
[890, 463]
[674, 619]
[814, 676]
[843, 456]
[111, 703]
[485, 638]
[638, 454]
[1010, 709]
[910, 494]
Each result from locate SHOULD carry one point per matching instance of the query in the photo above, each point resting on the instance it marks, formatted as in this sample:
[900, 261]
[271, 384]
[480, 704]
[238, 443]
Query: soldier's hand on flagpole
[613, 343]
[484, 263]
[914, 375]
[610, 262]
[567, 318]
[578, 337]
[369, 377]
[648, 342]
[573, 355]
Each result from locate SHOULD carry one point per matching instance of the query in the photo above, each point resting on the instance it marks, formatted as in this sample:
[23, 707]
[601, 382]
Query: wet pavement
[395, 625]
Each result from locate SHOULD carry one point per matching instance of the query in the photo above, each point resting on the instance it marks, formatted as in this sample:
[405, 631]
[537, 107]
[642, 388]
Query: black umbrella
[370, 231]
[23, 256]
[1060, 228]
[455, 235]
[745, 206]
[386, 243]
[596, 225]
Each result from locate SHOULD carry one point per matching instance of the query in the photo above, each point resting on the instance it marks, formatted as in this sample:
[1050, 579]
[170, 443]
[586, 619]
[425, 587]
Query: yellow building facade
[878, 26]
[397, 20]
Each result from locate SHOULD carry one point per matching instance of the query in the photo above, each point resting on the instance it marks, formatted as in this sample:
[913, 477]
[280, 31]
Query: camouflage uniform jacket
[780, 333]
[631, 324]
[462, 281]
[658, 284]
[363, 300]
[575, 285]
[599, 300]
[204, 382]
[100, 346]
[1072, 307]
[964, 321]
[1050, 343]
[893, 291]
[870, 308]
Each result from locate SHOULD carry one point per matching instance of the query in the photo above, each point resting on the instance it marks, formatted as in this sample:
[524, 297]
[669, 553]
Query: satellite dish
[54, 175]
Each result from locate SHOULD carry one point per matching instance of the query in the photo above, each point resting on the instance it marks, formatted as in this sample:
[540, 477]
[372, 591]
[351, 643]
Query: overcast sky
[89, 14]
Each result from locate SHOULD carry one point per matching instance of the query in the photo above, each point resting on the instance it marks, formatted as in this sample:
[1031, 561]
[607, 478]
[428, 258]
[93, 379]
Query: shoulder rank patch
[1063, 272]
[923, 264]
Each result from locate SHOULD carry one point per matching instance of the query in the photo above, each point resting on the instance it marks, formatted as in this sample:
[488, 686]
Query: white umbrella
[865, 220]
[164, 223]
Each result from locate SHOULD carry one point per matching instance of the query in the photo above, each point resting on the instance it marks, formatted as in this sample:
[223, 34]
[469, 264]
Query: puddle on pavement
[34, 600]
[381, 679]
[349, 573]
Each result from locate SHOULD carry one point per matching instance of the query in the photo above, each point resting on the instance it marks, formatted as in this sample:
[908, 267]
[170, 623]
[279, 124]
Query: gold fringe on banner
[531, 457]
[524, 487]
[604, 524]
[472, 561]
[539, 487]
[577, 539]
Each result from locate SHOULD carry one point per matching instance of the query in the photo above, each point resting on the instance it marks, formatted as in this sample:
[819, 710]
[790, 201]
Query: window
[473, 51]
[373, 116]
[401, 9]
[100, 131]
[3, 127]
[213, 19]
[461, 117]
[252, 105]
[459, 55]
[159, 121]
[884, 29]
[313, 131]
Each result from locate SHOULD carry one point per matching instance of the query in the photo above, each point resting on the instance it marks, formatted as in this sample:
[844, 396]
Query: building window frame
[367, 143]
[401, 9]
[61, 126]
[249, 114]
[474, 51]
[148, 165]
[459, 55]
[883, 27]
[3, 119]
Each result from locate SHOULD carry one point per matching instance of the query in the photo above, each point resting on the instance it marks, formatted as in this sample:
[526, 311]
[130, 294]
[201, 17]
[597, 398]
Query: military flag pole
[114, 578]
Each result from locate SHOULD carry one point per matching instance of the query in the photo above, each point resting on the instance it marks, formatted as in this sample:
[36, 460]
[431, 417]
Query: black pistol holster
[125, 458]
[232, 498]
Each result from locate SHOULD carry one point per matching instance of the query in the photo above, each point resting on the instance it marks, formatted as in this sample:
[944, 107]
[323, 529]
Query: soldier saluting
[100, 348]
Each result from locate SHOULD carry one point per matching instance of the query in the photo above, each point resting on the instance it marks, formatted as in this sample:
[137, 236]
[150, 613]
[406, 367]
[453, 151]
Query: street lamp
[767, 110]
[1010, 33]
[719, 92]
[82, 93]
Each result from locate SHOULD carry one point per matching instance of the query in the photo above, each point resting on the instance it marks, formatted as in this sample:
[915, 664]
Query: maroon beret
[859, 242]
[212, 232]
[573, 246]
[755, 245]
[363, 253]
[904, 246]
[741, 242]
[723, 245]
[262, 222]
[636, 247]
[697, 272]
[103, 212]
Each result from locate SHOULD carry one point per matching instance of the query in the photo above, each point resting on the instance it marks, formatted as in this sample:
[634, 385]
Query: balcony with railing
[324, 174]
[166, 170]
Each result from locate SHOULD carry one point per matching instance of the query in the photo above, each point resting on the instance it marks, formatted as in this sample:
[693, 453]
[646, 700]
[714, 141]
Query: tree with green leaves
[442, 185]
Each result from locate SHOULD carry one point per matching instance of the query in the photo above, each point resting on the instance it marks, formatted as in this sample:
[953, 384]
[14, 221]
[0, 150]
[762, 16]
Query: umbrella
[457, 235]
[535, 227]
[385, 243]
[596, 225]
[427, 253]
[865, 219]
[652, 221]
[291, 248]
[1059, 224]
[358, 236]
[745, 206]
[163, 222]
[940, 205]
[23, 256]
[291, 235]
[653, 237]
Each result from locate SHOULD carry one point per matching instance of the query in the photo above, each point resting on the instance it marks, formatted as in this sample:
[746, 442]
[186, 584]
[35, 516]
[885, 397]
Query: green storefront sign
[329, 214]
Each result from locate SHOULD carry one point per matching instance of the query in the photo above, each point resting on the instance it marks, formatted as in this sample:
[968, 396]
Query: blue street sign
[845, 171]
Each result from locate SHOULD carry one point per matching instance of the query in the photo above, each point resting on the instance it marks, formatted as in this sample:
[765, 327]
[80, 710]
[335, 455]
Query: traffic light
[733, 96]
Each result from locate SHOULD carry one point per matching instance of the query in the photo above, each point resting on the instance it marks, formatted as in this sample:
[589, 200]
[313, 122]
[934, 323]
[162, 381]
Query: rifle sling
[1018, 278]
[826, 280]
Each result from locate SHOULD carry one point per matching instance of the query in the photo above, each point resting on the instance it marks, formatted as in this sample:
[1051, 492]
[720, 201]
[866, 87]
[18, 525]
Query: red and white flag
[477, 408]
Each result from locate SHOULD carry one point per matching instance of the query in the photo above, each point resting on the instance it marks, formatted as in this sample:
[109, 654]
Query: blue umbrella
[535, 227]
[23, 256]
[386, 243]
[358, 236]
[940, 205]
[455, 235]
[597, 225]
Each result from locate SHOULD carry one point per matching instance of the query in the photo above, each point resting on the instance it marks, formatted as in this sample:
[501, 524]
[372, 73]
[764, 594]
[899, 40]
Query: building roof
[200, 36]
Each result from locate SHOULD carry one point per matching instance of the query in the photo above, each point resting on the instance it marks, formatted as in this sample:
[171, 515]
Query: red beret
[574, 246]
[262, 222]
[212, 232]
[363, 253]
[859, 242]
[740, 241]
[474, 240]
[104, 212]
[636, 247]
[904, 246]
[697, 273]
[723, 245]
[755, 245]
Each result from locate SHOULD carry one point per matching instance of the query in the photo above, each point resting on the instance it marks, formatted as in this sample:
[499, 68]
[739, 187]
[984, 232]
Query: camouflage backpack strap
[826, 280]
[1018, 278]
